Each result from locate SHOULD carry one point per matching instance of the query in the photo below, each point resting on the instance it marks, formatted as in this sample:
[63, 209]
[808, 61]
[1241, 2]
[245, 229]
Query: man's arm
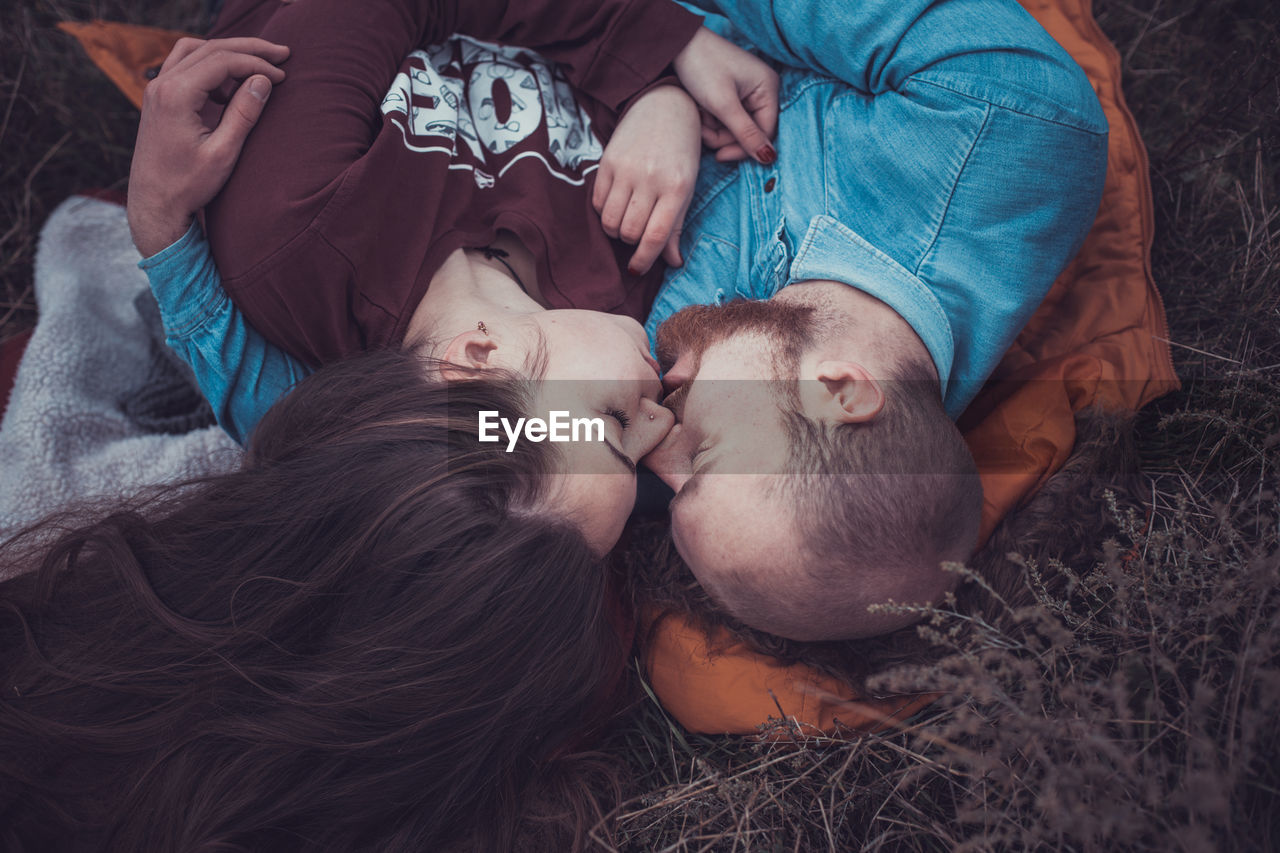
[239, 373]
[178, 166]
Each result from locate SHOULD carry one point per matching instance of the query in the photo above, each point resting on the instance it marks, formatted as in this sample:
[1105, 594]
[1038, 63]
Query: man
[957, 172]
[917, 213]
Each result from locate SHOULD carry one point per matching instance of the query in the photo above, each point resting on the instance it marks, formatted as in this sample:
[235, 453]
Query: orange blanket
[1100, 338]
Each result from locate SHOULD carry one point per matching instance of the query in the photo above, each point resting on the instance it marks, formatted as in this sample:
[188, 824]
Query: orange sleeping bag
[1099, 338]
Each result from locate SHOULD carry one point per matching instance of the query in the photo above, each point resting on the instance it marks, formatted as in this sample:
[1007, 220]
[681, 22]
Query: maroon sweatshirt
[392, 144]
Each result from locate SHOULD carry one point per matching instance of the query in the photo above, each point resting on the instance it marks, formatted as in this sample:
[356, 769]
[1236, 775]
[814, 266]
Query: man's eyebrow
[624, 458]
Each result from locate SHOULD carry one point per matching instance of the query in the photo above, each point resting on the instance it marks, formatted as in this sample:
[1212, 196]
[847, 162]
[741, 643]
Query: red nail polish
[767, 155]
[633, 270]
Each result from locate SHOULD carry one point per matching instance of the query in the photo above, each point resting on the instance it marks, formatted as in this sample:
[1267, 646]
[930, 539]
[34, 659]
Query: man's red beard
[788, 327]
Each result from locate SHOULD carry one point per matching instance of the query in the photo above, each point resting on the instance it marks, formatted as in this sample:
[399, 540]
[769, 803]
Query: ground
[1134, 709]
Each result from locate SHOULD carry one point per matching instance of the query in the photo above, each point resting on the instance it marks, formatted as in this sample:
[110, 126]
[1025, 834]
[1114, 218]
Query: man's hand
[179, 164]
[647, 174]
[738, 93]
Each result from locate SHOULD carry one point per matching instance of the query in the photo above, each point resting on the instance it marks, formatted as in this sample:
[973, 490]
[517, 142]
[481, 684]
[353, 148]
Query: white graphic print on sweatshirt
[484, 105]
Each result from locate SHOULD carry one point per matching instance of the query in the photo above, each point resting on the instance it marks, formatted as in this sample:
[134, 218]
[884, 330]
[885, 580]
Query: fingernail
[260, 88]
[767, 155]
[633, 269]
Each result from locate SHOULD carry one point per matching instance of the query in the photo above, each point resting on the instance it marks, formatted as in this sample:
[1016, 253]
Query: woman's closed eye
[623, 419]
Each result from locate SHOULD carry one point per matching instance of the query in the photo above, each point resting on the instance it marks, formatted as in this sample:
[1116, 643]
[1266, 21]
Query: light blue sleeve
[988, 49]
[239, 373]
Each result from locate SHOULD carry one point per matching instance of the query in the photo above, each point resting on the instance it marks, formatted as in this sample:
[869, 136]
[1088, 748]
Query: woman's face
[598, 367]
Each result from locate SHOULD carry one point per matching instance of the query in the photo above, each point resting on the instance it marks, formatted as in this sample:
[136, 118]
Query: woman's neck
[469, 289]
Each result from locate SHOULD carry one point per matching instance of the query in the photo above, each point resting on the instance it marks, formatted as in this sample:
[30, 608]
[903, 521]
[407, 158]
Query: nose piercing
[651, 416]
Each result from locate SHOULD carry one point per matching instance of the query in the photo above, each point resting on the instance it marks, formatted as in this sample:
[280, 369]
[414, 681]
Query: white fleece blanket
[72, 430]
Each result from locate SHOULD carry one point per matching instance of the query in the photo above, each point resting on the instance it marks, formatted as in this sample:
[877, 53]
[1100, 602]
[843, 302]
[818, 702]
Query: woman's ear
[849, 394]
[468, 353]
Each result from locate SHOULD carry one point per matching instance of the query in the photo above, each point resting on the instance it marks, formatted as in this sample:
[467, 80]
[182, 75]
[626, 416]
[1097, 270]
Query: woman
[374, 636]
[454, 251]
[382, 633]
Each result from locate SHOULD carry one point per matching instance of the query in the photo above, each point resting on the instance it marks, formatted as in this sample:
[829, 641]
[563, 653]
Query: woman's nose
[656, 420]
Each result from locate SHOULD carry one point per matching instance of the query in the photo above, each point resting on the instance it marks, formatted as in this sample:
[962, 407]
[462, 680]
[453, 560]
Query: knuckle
[157, 93]
[678, 184]
[242, 112]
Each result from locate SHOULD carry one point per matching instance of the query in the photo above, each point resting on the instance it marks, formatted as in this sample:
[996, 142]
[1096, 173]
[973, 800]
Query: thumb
[748, 134]
[240, 116]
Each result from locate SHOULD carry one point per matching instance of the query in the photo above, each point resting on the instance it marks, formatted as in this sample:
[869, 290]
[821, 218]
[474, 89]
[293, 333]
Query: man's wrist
[155, 230]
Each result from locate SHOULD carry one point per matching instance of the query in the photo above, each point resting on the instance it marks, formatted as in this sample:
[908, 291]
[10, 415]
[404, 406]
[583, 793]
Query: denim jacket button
[770, 184]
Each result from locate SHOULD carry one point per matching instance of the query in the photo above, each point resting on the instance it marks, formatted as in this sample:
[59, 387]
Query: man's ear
[849, 394]
[466, 354]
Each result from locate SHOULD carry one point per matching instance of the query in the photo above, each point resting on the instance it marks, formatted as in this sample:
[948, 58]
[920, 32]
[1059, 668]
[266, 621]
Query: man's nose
[669, 460]
[679, 373]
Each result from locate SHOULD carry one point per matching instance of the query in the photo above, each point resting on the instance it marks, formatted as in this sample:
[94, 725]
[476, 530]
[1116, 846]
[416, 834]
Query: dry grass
[1125, 696]
[63, 127]
[1120, 691]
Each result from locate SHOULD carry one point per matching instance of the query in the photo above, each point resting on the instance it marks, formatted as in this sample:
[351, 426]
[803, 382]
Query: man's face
[727, 368]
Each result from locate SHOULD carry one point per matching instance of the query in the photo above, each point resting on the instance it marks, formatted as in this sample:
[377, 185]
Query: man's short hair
[878, 506]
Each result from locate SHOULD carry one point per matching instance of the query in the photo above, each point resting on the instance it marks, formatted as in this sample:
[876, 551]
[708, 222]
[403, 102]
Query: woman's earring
[482, 327]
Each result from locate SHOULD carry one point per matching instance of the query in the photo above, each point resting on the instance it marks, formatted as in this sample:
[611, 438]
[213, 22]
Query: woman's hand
[738, 92]
[179, 164]
[647, 174]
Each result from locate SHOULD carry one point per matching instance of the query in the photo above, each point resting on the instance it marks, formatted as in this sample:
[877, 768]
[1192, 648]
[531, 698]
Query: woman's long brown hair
[372, 637]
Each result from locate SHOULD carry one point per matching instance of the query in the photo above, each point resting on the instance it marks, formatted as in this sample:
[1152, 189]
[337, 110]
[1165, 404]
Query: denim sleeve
[988, 49]
[240, 374]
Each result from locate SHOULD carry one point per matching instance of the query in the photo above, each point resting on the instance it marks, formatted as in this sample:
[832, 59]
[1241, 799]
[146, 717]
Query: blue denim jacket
[951, 172]
[948, 160]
